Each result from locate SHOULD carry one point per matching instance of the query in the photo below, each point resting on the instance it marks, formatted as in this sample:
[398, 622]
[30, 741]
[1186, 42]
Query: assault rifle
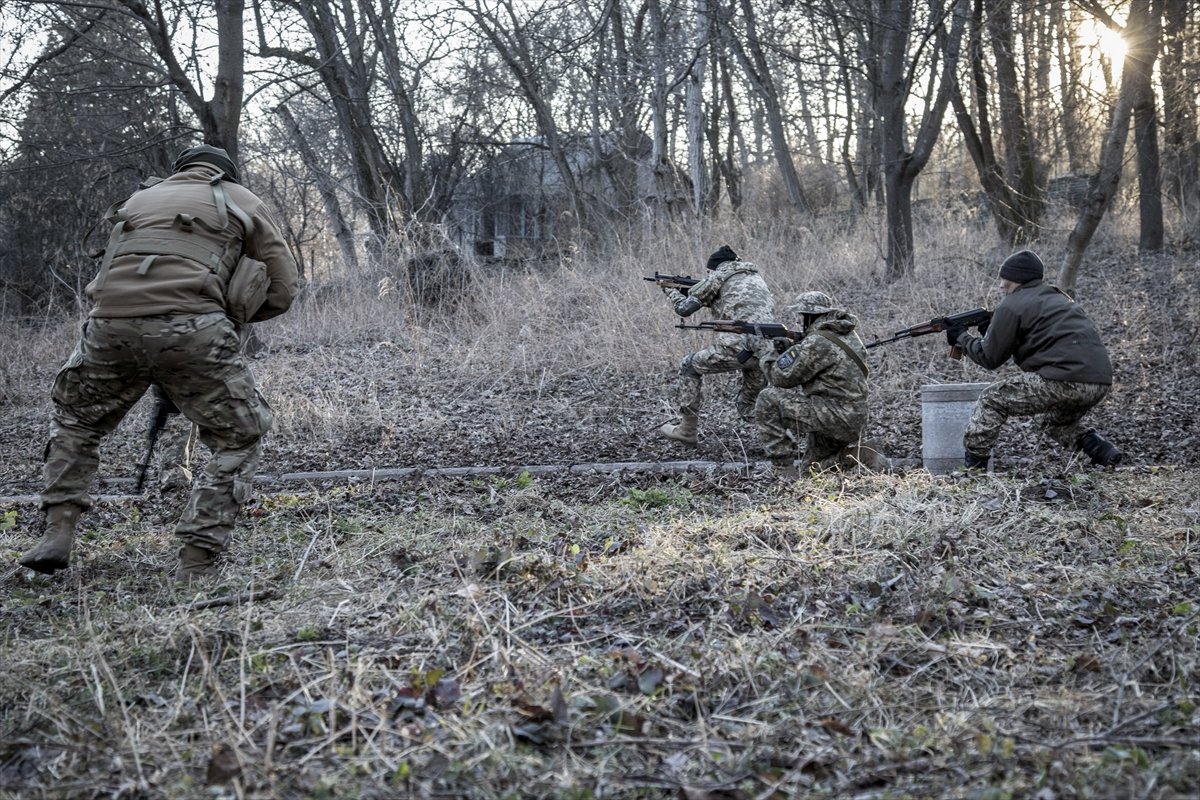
[163, 409]
[681, 282]
[767, 330]
[964, 319]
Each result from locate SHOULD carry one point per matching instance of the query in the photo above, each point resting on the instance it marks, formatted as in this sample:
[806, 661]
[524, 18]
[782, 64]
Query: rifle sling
[833, 337]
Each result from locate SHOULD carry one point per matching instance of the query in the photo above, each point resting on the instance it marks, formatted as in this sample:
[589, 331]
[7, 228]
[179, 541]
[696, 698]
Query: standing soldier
[733, 289]
[161, 306]
[829, 367]
[1065, 370]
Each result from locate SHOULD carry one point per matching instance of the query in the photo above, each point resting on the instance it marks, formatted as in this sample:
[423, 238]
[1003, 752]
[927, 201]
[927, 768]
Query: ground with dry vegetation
[590, 633]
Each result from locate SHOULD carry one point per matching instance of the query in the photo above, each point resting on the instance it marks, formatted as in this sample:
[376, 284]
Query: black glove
[983, 326]
[952, 334]
[782, 343]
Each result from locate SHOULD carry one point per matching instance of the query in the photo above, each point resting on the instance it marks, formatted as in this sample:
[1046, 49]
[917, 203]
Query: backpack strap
[178, 239]
[833, 337]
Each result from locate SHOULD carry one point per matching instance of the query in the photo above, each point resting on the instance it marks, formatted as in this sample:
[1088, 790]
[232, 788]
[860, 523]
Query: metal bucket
[945, 409]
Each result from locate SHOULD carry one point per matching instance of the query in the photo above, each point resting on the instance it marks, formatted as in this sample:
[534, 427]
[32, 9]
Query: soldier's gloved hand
[952, 334]
[983, 326]
[782, 343]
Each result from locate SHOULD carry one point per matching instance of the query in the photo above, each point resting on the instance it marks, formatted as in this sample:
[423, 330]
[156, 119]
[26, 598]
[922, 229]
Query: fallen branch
[236, 599]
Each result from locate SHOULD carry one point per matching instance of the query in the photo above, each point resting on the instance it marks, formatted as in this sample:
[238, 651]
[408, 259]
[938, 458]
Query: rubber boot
[53, 552]
[976, 460]
[195, 564]
[1102, 452]
[685, 432]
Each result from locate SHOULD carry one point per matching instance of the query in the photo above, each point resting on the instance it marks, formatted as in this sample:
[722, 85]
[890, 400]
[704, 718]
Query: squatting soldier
[1065, 370]
[159, 316]
[829, 367]
[733, 289]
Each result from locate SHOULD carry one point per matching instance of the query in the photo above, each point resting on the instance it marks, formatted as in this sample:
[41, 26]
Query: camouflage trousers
[197, 360]
[721, 357]
[786, 415]
[176, 446]
[1059, 406]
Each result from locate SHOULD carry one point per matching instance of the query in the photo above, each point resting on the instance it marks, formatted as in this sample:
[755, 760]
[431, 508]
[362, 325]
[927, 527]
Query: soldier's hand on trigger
[782, 343]
[952, 334]
[983, 326]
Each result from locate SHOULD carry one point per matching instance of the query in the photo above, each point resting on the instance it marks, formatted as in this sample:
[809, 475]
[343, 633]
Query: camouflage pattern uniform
[175, 445]
[177, 442]
[734, 290]
[831, 408]
[1065, 367]
[158, 318]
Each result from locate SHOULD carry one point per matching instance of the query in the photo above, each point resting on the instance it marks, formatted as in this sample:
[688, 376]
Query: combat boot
[174, 479]
[195, 564]
[864, 454]
[786, 466]
[1101, 452]
[53, 552]
[685, 432]
[976, 460]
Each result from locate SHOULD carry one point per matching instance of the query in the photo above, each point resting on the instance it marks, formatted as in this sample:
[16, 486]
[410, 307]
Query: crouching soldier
[733, 289]
[1065, 369]
[817, 389]
[171, 278]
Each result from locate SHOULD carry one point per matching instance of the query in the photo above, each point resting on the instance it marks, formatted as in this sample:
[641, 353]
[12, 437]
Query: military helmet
[207, 154]
[812, 303]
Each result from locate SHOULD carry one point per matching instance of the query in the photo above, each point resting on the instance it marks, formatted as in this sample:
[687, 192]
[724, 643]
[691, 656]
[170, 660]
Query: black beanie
[1022, 267]
[721, 256]
[207, 154]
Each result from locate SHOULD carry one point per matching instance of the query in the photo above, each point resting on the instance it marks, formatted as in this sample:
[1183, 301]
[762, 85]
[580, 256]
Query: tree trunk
[1112, 156]
[221, 116]
[758, 72]
[901, 167]
[1180, 134]
[326, 188]
[1069, 69]
[660, 165]
[1021, 171]
[694, 105]
[1144, 43]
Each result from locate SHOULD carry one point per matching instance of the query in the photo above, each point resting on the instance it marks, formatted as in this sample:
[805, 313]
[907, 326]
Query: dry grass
[869, 637]
[624, 636]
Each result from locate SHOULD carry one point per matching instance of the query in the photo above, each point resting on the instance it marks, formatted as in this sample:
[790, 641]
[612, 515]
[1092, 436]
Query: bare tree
[904, 47]
[752, 56]
[1180, 70]
[326, 187]
[513, 38]
[220, 116]
[1138, 35]
[1008, 167]
[694, 105]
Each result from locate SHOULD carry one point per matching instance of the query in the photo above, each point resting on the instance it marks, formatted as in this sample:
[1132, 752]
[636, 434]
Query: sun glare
[1100, 43]
[1111, 45]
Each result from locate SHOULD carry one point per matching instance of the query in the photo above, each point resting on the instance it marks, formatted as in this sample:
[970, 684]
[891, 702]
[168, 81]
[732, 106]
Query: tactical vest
[179, 239]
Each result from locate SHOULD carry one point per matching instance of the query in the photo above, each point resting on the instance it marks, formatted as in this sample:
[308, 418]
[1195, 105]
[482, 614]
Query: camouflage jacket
[818, 365]
[734, 290]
